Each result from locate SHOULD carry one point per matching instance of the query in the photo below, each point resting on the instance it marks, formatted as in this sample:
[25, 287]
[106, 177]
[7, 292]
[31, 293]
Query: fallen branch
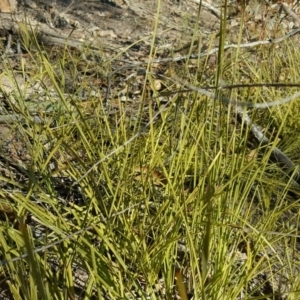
[284, 7]
[71, 37]
[278, 156]
[212, 95]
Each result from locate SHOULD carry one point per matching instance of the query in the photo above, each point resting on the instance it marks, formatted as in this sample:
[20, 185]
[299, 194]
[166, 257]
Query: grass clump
[126, 200]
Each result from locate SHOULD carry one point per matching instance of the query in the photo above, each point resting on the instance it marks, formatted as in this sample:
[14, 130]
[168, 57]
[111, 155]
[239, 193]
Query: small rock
[30, 4]
[107, 33]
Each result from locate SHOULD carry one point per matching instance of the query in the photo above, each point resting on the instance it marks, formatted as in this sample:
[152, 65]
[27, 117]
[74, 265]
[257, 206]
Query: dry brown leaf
[7, 212]
[145, 173]
[252, 155]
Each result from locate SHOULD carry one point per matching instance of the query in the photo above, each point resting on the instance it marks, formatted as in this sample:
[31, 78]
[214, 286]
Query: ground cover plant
[142, 182]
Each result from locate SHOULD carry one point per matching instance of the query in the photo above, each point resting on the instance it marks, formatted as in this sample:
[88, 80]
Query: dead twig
[212, 95]
[284, 7]
[209, 7]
